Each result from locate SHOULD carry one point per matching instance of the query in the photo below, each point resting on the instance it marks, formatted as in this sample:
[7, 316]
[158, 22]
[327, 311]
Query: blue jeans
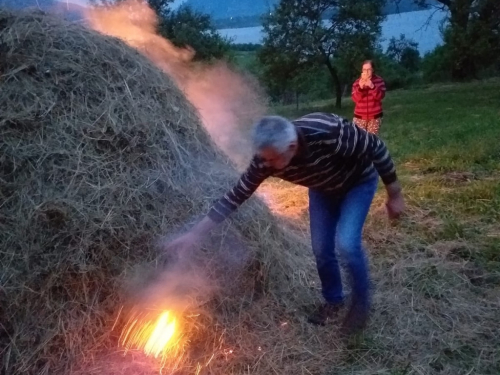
[337, 224]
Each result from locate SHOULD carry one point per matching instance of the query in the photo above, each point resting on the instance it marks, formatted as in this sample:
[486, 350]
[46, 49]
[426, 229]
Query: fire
[158, 336]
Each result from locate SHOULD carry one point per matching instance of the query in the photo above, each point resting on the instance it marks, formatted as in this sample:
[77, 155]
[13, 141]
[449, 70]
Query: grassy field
[436, 272]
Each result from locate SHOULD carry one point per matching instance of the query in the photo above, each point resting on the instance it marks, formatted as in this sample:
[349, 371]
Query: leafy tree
[248, 47]
[280, 70]
[473, 35]
[435, 66]
[404, 52]
[359, 29]
[304, 33]
[188, 27]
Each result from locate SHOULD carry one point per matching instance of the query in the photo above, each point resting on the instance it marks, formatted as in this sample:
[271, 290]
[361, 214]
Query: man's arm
[244, 188]
[354, 142]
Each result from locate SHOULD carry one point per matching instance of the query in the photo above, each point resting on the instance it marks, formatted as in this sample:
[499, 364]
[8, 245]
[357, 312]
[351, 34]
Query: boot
[324, 312]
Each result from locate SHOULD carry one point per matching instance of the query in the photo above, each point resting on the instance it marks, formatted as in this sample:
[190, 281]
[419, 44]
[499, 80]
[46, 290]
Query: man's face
[276, 160]
[367, 71]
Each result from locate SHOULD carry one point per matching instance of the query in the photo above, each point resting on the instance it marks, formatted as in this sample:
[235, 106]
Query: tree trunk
[336, 82]
[463, 64]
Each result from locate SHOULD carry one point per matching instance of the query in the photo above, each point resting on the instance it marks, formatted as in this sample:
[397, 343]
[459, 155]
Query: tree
[280, 70]
[186, 27]
[310, 32]
[404, 52]
[357, 35]
[473, 35]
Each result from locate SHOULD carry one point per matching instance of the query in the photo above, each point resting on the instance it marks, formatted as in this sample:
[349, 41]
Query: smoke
[227, 101]
[187, 278]
[179, 286]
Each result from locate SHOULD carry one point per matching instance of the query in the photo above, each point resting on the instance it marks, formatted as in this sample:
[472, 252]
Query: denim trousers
[336, 227]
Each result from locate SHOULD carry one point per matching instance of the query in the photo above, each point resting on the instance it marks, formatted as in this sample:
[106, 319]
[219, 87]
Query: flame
[157, 336]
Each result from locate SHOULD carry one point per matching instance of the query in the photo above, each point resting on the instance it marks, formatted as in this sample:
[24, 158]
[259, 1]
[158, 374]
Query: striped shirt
[368, 102]
[333, 156]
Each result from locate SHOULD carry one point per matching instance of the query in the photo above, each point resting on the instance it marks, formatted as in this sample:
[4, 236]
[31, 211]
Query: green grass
[441, 262]
[446, 143]
[245, 60]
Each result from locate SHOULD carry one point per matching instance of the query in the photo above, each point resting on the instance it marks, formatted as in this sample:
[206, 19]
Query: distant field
[245, 59]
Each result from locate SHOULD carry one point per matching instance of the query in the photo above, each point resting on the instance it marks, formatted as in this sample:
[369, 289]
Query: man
[367, 94]
[340, 164]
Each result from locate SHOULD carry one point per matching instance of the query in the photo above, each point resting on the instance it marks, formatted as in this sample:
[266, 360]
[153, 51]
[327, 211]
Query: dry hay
[100, 155]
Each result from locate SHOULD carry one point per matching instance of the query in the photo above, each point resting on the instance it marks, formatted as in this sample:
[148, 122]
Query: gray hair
[275, 132]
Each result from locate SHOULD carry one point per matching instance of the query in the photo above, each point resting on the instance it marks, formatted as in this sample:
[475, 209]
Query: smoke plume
[227, 101]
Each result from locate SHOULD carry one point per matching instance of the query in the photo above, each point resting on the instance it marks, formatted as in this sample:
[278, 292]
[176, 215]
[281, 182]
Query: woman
[367, 94]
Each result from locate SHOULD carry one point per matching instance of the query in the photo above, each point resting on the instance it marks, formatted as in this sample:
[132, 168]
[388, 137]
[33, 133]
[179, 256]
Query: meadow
[437, 271]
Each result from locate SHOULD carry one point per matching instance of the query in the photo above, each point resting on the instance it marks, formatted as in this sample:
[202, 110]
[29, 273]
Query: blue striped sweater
[333, 156]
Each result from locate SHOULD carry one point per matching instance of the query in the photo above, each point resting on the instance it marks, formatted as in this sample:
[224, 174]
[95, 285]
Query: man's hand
[395, 202]
[369, 83]
[395, 206]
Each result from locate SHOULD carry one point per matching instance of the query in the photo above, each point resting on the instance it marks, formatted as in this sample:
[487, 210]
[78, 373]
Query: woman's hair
[369, 62]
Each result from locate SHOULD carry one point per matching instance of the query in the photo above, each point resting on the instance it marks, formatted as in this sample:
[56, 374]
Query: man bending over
[340, 163]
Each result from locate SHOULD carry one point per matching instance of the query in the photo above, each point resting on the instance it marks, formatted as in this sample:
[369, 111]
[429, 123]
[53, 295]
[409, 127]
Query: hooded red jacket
[368, 102]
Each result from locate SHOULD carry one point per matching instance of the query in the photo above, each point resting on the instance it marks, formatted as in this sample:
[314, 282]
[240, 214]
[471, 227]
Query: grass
[245, 60]
[436, 272]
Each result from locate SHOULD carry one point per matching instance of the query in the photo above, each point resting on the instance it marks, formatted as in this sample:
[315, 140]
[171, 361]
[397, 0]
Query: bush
[404, 52]
[394, 74]
[436, 65]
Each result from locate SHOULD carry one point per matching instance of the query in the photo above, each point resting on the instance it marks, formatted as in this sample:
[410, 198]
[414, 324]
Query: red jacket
[368, 101]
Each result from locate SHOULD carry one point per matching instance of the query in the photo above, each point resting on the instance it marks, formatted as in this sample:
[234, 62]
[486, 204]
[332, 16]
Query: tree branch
[429, 19]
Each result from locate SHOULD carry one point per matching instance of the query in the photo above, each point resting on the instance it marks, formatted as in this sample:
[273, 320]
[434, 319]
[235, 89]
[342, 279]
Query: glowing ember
[156, 336]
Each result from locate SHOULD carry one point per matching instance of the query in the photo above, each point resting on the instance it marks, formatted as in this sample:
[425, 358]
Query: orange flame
[157, 336]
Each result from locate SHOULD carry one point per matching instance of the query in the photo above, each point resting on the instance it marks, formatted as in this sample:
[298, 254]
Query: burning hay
[100, 155]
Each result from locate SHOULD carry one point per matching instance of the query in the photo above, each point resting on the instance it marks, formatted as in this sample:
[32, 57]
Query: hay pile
[100, 154]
